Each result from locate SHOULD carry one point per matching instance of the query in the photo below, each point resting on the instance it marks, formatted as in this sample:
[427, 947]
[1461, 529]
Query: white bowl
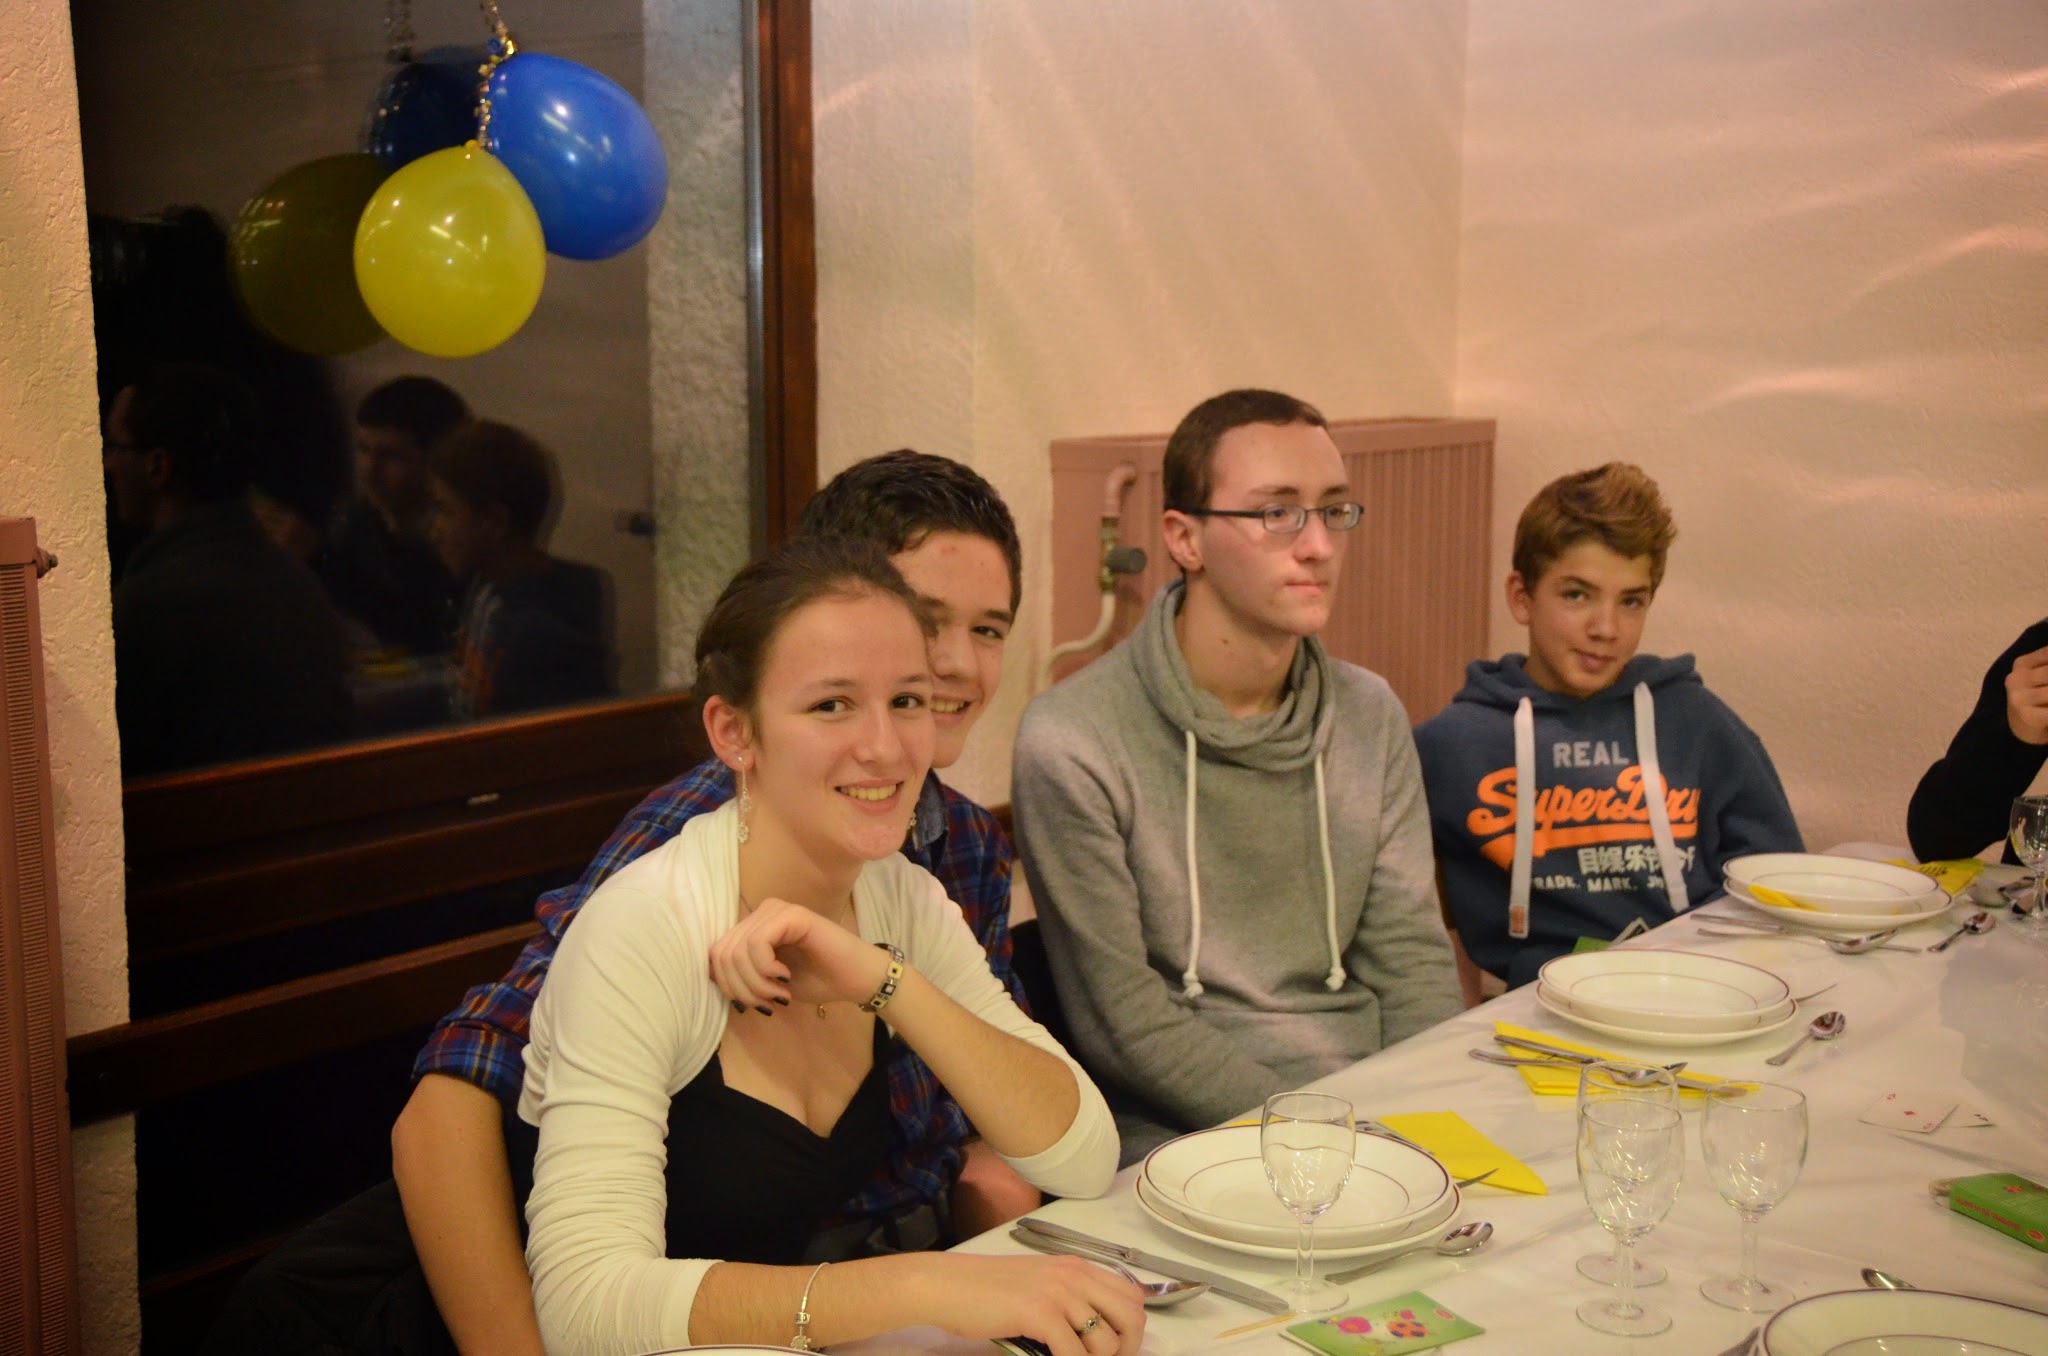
[1163, 1212]
[1903, 1323]
[1667, 991]
[1837, 885]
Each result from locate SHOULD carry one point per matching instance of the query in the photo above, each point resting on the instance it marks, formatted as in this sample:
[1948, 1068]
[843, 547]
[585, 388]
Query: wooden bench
[295, 927]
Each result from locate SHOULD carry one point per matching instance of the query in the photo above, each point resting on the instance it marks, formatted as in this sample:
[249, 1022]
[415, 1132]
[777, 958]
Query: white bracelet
[801, 1340]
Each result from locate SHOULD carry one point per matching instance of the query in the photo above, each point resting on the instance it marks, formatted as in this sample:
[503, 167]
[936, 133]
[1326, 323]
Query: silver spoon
[1825, 1027]
[1977, 923]
[1632, 1078]
[1884, 1280]
[1158, 1294]
[1466, 1238]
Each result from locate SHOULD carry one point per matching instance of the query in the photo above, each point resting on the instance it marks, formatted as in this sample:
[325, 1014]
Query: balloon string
[501, 48]
[398, 34]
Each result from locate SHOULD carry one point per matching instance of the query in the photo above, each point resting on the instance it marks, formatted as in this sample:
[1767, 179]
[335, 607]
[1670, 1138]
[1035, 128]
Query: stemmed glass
[1754, 1140]
[1639, 1082]
[1631, 1156]
[2028, 830]
[1306, 1141]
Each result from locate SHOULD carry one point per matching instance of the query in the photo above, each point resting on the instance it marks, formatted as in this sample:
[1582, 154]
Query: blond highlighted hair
[1616, 505]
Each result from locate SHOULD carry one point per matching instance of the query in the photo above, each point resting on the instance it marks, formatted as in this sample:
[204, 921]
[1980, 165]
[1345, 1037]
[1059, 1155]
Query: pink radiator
[38, 1270]
[1413, 595]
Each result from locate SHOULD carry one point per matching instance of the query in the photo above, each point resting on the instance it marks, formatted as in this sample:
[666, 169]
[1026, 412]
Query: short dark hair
[1617, 505]
[1191, 451]
[899, 498]
[732, 646]
[204, 419]
[421, 406]
[493, 465]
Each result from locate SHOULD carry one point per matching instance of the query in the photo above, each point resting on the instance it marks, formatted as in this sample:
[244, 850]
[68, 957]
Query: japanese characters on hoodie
[1561, 814]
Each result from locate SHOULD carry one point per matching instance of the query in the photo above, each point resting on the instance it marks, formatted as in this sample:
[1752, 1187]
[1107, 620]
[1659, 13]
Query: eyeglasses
[1287, 519]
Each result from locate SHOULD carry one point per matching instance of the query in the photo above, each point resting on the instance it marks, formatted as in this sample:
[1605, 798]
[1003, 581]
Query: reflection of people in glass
[379, 566]
[531, 631]
[226, 647]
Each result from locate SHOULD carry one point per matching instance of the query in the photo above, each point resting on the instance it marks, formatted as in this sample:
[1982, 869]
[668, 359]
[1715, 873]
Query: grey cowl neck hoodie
[1291, 736]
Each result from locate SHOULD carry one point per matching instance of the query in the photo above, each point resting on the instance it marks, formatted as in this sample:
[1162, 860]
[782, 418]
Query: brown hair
[1617, 505]
[1191, 451]
[900, 498]
[732, 647]
[493, 465]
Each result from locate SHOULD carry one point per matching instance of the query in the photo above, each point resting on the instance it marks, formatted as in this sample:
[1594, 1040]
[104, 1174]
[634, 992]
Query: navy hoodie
[1595, 851]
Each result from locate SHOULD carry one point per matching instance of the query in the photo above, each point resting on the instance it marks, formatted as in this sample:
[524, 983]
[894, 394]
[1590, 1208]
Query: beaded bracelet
[801, 1340]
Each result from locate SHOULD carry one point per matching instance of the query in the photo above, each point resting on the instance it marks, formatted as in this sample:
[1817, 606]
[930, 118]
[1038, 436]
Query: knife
[1577, 1057]
[1219, 1284]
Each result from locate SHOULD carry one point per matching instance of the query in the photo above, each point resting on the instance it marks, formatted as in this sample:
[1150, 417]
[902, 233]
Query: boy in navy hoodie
[1539, 771]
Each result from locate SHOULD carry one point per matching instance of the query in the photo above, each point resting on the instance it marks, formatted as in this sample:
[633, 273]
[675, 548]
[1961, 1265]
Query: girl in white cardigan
[704, 1069]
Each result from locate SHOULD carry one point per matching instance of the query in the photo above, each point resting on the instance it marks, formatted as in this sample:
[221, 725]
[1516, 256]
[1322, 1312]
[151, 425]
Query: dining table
[1968, 1025]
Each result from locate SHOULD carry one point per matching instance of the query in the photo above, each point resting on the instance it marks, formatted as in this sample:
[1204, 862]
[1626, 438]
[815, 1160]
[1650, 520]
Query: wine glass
[1631, 1156]
[1306, 1141]
[1641, 1082]
[1754, 1141]
[2028, 830]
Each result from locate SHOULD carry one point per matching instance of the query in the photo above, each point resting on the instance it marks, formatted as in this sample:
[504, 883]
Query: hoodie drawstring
[1525, 818]
[1655, 794]
[1190, 978]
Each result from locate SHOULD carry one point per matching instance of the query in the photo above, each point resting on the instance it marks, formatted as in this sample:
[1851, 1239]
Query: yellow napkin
[1950, 876]
[1562, 1080]
[1465, 1152]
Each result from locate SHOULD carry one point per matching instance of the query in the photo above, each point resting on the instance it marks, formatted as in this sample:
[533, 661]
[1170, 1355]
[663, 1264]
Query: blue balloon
[583, 150]
[425, 106]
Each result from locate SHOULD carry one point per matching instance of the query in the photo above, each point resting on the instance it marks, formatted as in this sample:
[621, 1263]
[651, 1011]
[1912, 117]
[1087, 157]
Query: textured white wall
[1049, 218]
[49, 470]
[1791, 258]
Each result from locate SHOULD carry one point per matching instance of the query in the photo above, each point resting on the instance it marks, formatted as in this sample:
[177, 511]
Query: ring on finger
[1094, 1322]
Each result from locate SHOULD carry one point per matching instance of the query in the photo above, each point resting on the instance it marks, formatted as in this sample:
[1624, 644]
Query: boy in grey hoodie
[1541, 770]
[1224, 827]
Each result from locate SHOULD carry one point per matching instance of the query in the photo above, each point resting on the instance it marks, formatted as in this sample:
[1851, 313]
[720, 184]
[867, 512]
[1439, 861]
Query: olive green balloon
[293, 251]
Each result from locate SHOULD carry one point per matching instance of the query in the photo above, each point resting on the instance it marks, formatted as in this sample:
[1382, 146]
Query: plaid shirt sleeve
[482, 1040]
[972, 862]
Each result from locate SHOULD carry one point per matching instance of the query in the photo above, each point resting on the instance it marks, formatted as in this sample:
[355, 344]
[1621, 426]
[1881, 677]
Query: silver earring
[746, 805]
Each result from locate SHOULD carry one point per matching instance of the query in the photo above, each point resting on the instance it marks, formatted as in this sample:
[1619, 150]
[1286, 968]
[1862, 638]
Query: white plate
[1665, 990]
[1680, 1040]
[1903, 1323]
[1216, 1181]
[1163, 1213]
[1850, 923]
[1841, 885]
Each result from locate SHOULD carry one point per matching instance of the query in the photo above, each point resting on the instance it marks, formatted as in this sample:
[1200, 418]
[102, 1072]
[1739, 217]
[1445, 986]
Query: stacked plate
[1211, 1186]
[1833, 894]
[1679, 998]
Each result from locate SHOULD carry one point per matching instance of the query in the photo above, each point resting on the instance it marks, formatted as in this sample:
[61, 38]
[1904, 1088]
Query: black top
[748, 1182]
[1965, 800]
[532, 641]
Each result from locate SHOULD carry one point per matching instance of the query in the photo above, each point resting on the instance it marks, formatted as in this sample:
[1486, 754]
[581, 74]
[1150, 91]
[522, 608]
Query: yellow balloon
[449, 254]
[291, 253]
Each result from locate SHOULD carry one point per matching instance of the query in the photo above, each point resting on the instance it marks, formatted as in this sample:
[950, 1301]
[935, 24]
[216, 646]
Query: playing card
[1919, 1113]
[1968, 1118]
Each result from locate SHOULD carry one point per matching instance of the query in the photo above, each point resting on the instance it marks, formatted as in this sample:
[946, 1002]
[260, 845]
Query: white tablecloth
[1971, 1022]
